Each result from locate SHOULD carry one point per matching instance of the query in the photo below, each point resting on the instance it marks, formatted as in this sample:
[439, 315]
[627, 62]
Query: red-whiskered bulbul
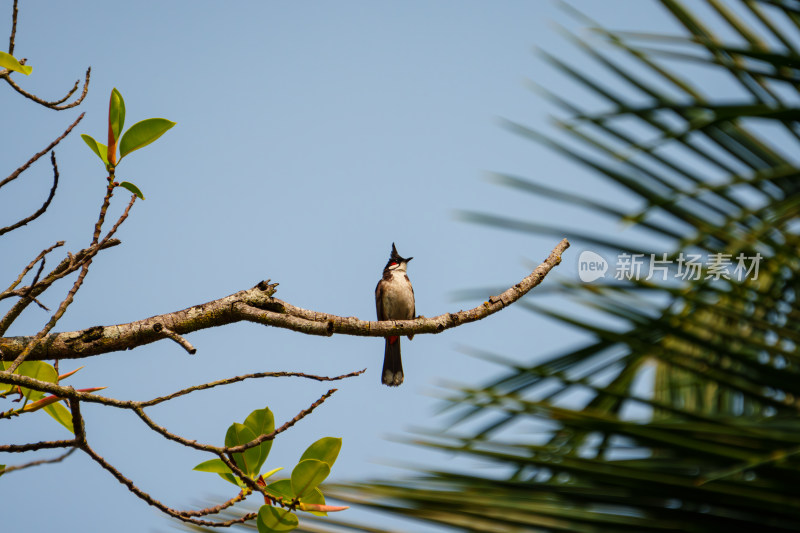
[394, 299]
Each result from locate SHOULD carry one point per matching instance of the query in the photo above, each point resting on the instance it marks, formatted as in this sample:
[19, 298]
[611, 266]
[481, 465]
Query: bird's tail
[392, 364]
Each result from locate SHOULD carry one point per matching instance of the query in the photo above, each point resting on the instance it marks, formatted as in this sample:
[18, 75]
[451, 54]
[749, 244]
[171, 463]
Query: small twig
[219, 450]
[251, 484]
[98, 226]
[29, 267]
[67, 266]
[14, 175]
[69, 392]
[41, 445]
[95, 247]
[152, 501]
[257, 375]
[14, 13]
[44, 206]
[53, 320]
[80, 440]
[27, 293]
[57, 459]
[270, 436]
[175, 337]
[217, 508]
[77, 422]
[100, 245]
[55, 103]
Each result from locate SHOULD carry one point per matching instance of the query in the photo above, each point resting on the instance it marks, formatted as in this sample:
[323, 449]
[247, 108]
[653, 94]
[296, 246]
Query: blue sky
[309, 137]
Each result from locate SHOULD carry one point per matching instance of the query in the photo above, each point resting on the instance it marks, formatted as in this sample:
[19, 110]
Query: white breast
[398, 297]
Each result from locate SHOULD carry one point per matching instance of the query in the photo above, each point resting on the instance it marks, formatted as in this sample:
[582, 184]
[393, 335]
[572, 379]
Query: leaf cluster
[137, 136]
[282, 497]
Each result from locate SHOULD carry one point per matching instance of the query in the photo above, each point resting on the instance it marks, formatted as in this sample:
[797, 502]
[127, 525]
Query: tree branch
[14, 175]
[56, 459]
[224, 453]
[6, 74]
[66, 302]
[258, 305]
[44, 206]
[14, 14]
[28, 268]
[55, 103]
[67, 266]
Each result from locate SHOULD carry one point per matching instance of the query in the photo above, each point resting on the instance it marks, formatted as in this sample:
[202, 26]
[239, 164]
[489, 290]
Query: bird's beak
[409, 259]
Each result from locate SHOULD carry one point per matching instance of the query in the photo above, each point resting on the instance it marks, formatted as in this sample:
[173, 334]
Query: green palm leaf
[715, 445]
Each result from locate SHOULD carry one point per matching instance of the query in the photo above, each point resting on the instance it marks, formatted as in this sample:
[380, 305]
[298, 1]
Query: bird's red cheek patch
[393, 339]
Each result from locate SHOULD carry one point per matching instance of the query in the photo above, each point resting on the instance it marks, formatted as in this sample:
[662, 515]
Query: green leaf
[10, 62]
[315, 496]
[62, 415]
[218, 467]
[261, 422]
[33, 369]
[266, 475]
[275, 519]
[325, 449]
[215, 466]
[143, 133]
[132, 188]
[237, 435]
[307, 475]
[116, 113]
[99, 148]
[281, 489]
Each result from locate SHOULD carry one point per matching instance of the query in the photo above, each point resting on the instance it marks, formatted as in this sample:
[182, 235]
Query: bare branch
[219, 450]
[29, 267]
[270, 436]
[96, 247]
[27, 293]
[66, 267]
[14, 13]
[236, 379]
[77, 422]
[44, 206]
[36, 276]
[37, 339]
[258, 305]
[217, 508]
[56, 459]
[186, 345]
[14, 175]
[100, 245]
[42, 445]
[6, 74]
[223, 452]
[152, 501]
[70, 393]
[55, 103]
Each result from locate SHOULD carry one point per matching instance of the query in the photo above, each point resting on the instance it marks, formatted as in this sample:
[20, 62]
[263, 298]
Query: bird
[394, 300]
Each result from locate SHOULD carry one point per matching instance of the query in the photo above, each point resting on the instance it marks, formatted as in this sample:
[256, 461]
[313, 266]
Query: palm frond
[716, 443]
